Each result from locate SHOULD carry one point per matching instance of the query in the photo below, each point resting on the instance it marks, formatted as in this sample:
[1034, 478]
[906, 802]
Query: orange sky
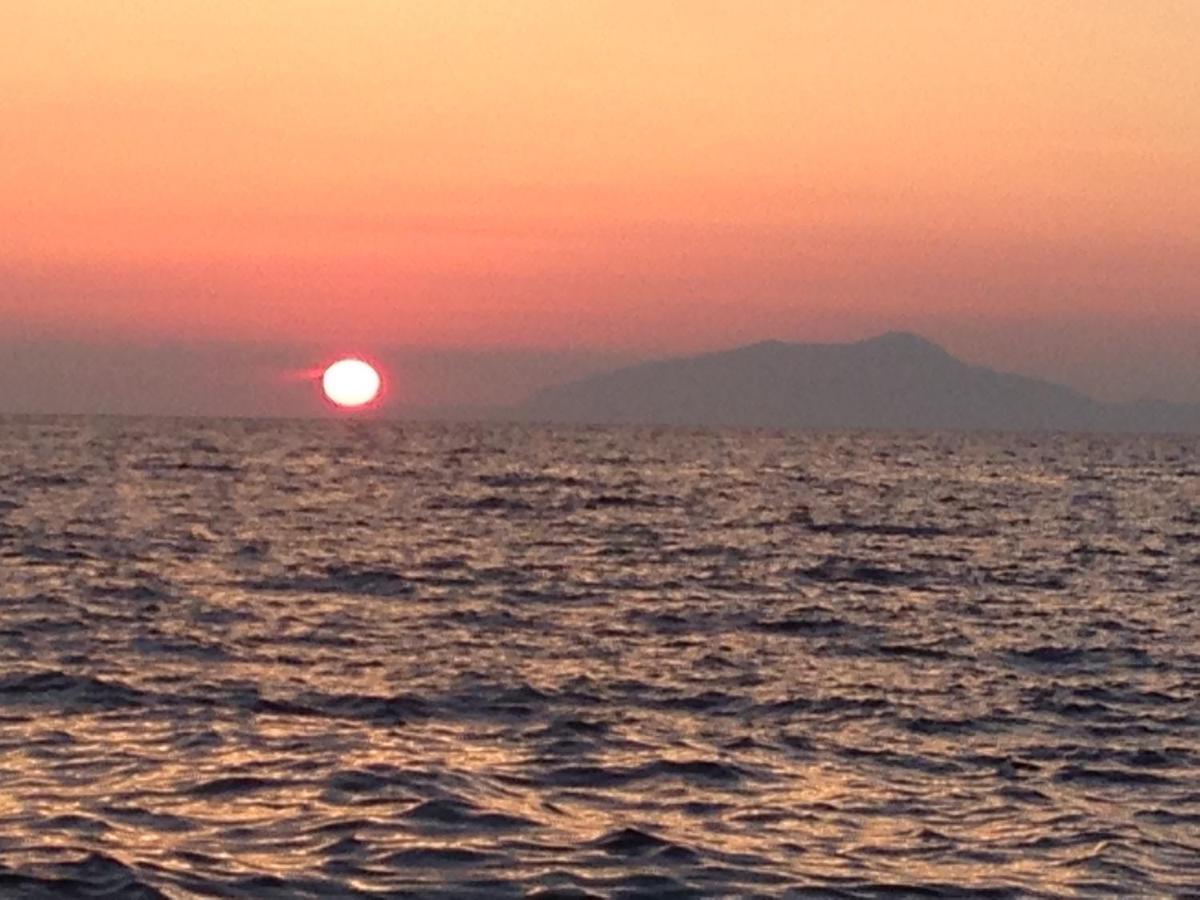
[638, 175]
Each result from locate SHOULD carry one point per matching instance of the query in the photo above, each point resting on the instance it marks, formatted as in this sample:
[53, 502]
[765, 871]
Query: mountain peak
[895, 380]
[905, 341]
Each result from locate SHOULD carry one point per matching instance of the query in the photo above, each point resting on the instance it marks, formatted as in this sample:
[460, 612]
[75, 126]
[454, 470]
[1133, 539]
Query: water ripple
[263, 659]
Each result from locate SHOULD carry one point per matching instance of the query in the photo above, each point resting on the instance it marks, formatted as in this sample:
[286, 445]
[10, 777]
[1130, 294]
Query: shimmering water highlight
[274, 659]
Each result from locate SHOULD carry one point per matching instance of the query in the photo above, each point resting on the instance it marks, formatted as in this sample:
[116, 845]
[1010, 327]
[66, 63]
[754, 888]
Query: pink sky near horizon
[635, 177]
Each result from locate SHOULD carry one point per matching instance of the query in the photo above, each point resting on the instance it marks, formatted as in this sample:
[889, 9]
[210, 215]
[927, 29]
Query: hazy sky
[476, 181]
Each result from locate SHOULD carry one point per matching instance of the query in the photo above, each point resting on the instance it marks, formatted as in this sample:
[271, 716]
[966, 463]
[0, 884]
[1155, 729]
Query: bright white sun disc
[351, 382]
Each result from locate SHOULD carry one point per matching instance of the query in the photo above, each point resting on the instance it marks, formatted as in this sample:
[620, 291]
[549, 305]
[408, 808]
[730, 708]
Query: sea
[343, 658]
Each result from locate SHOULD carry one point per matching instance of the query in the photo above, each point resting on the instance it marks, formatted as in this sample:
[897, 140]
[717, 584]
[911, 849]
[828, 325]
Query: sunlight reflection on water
[291, 659]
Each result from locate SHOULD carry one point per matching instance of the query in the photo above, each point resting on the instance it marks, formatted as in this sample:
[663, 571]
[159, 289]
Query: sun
[351, 383]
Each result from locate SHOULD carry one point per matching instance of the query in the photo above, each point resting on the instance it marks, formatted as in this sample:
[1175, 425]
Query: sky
[200, 198]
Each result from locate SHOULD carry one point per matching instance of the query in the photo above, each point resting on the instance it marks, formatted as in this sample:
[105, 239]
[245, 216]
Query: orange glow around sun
[351, 383]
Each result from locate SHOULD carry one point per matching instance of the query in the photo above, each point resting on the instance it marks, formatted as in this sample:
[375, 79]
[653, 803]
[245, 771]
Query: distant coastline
[898, 380]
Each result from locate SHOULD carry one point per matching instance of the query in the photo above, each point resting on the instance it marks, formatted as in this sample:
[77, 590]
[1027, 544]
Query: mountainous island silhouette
[895, 381]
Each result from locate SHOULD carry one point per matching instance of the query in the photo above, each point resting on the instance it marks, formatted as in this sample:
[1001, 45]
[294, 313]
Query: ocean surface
[342, 659]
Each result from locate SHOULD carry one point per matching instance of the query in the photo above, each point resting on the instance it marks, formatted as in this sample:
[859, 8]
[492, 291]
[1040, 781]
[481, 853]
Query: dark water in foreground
[328, 659]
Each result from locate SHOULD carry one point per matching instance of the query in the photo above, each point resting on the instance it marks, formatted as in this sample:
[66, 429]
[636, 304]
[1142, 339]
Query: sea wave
[249, 659]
